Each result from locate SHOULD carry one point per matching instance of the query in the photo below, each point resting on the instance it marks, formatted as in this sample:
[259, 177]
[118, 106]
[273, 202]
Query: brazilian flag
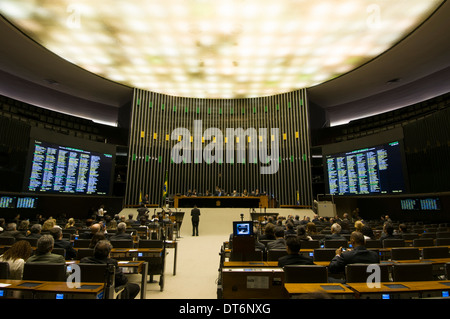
[165, 187]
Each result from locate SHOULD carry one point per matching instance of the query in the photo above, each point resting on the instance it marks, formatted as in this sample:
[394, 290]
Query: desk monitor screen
[243, 228]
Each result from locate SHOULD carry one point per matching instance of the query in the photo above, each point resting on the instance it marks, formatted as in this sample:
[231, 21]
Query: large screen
[420, 204]
[370, 170]
[56, 168]
[18, 202]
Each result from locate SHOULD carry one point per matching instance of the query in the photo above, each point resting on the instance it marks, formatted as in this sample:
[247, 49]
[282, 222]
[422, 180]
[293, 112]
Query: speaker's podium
[255, 282]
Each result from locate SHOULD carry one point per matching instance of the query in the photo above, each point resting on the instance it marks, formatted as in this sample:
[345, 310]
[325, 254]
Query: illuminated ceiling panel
[220, 48]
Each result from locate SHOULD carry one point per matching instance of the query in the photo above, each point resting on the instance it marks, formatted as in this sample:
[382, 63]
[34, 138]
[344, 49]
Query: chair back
[305, 274]
[121, 243]
[7, 240]
[442, 241]
[435, 252]
[81, 243]
[412, 271]
[309, 244]
[423, 242]
[256, 255]
[428, 235]
[150, 243]
[32, 241]
[410, 236]
[405, 253]
[324, 254]
[44, 271]
[373, 243]
[336, 243]
[4, 270]
[59, 251]
[93, 272]
[361, 272]
[390, 242]
[275, 254]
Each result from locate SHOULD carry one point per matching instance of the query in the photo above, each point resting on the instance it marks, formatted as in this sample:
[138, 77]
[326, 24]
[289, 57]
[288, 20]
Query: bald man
[93, 229]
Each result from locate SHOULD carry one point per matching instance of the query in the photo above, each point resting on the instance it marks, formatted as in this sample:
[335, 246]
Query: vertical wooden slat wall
[154, 117]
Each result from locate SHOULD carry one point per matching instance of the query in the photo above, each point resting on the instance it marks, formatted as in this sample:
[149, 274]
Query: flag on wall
[165, 187]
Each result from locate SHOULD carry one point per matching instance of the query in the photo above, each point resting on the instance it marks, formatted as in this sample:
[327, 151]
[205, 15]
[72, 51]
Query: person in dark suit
[11, 231]
[35, 231]
[388, 232]
[102, 252]
[57, 234]
[358, 254]
[195, 218]
[44, 253]
[142, 212]
[279, 242]
[293, 257]
[121, 233]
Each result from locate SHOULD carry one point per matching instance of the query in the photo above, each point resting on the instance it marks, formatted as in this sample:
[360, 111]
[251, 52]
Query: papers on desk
[2, 285]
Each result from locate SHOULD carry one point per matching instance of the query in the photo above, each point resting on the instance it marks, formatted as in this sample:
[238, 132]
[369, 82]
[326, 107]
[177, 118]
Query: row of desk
[222, 201]
[28, 289]
[265, 280]
[143, 261]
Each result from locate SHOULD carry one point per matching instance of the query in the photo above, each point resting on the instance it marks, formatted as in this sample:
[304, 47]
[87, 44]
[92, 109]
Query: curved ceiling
[385, 68]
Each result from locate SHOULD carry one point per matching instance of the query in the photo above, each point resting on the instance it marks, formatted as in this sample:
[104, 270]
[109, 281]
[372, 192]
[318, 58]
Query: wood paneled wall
[154, 117]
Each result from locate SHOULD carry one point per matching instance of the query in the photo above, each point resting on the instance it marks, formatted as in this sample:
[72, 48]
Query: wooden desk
[129, 267]
[401, 290]
[253, 283]
[29, 289]
[153, 256]
[60, 290]
[335, 291]
[222, 201]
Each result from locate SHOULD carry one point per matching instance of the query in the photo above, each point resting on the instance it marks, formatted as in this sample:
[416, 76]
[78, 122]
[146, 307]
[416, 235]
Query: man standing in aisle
[195, 215]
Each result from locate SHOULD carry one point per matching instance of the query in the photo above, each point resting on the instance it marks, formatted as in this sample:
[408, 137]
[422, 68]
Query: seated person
[358, 254]
[43, 252]
[88, 234]
[35, 231]
[235, 194]
[293, 257]
[102, 251]
[279, 242]
[388, 232]
[335, 234]
[57, 234]
[11, 231]
[16, 256]
[121, 233]
[142, 212]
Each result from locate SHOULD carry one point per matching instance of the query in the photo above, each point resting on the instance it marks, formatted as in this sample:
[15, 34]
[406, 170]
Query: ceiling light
[245, 46]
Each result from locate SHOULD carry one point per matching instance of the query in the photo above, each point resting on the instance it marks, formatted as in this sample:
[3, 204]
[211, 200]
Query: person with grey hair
[43, 252]
[121, 233]
[335, 234]
[101, 255]
[11, 231]
[35, 231]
